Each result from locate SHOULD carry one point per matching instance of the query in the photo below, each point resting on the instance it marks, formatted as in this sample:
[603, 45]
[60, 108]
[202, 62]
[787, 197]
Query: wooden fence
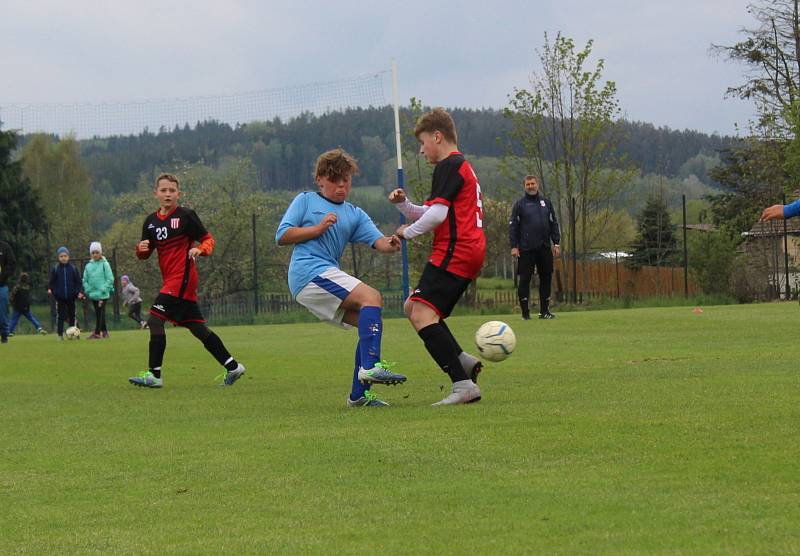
[612, 279]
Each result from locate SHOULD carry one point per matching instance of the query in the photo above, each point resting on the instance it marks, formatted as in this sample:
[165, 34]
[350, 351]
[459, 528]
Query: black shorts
[177, 310]
[439, 289]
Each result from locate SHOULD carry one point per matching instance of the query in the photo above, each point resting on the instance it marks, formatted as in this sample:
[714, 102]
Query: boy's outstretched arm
[387, 244]
[776, 212]
[299, 234]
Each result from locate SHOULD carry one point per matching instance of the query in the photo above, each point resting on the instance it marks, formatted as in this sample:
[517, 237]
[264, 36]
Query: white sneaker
[464, 391]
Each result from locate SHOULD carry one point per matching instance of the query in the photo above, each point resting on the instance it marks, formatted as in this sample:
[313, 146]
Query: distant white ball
[495, 340]
[72, 333]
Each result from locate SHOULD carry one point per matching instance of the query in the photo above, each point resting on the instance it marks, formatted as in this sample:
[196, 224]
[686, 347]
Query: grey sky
[465, 53]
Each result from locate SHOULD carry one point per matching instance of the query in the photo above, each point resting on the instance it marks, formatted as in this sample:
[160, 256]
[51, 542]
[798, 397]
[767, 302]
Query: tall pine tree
[656, 243]
[22, 219]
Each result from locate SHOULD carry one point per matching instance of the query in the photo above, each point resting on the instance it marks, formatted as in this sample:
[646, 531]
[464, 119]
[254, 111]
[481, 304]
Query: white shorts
[324, 294]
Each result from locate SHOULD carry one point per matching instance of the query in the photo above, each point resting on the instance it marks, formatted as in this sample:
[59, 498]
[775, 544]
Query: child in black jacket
[21, 302]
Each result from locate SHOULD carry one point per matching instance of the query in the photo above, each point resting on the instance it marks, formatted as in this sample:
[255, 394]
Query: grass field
[643, 431]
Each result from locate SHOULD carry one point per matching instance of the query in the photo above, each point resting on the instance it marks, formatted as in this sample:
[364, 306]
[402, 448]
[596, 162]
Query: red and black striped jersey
[172, 235]
[459, 245]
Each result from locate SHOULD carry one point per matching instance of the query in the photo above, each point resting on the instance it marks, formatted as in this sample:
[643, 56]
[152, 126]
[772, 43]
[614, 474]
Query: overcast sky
[466, 54]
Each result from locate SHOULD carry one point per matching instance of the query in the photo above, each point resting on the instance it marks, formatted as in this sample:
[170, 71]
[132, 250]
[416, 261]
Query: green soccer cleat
[146, 379]
[367, 400]
[380, 374]
[233, 376]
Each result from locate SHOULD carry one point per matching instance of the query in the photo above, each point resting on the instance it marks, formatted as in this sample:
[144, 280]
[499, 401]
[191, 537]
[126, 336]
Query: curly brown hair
[336, 164]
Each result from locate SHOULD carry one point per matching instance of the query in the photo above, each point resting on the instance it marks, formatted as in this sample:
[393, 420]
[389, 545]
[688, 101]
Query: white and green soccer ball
[495, 340]
[72, 333]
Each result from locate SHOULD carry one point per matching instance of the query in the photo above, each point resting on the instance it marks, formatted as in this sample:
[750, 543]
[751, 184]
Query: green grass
[643, 431]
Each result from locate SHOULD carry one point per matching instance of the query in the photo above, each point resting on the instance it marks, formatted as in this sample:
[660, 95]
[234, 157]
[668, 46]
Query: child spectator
[21, 302]
[65, 286]
[132, 300]
[98, 284]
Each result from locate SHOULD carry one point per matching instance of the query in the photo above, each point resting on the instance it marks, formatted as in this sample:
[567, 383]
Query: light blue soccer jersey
[313, 257]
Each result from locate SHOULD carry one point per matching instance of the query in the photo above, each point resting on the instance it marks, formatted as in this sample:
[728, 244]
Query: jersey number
[161, 233]
[479, 207]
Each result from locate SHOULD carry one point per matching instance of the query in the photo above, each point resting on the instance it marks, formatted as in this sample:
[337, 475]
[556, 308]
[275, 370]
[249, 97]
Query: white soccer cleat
[464, 391]
[471, 365]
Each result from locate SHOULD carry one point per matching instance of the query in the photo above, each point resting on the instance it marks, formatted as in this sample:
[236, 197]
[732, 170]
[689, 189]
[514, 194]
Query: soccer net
[103, 119]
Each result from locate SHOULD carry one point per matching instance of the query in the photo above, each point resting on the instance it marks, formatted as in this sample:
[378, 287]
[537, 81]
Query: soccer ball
[495, 340]
[73, 333]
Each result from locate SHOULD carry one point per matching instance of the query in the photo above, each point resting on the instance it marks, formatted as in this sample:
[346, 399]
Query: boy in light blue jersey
[320, 225]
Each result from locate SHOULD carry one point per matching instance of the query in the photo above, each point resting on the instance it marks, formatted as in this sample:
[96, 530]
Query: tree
[565, 129]
[771, 52]
[57, 173]
[757, 172]
[711, 259]
[22, 219]
[655, 243]
[752, 176]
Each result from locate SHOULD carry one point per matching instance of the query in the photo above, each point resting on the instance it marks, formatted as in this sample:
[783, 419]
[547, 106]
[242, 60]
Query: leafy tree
[565, 130]
[711, 259]
[57, 173]
[22, 219]
[656, 242]
[495, 226]
[771, 53]
[752, 176]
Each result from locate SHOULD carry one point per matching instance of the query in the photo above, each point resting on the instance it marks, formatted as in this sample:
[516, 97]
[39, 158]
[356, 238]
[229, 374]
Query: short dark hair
[169, 177]
[335, 164]
[439, 120]
[531, 177]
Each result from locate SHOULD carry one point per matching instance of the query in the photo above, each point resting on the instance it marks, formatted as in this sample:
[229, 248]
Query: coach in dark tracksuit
[7, 263]
[532, 229]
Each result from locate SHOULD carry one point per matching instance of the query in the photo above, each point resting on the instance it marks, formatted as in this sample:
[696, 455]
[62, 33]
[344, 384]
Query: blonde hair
[169, 177]
[439, 120]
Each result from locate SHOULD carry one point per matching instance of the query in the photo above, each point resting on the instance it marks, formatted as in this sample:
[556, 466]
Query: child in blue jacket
[65, 286]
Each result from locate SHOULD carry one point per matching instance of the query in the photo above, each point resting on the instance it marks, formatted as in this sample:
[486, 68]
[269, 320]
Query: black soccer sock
[438, 342]
[216, 348]
[158, 343]
[452, 338]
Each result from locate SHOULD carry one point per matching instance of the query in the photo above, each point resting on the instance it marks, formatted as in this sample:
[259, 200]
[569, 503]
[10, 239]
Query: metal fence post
[116, 283]
[255, 267]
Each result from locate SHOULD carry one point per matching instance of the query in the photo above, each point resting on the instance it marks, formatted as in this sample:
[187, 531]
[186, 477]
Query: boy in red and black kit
[172, 231]
[453, 211]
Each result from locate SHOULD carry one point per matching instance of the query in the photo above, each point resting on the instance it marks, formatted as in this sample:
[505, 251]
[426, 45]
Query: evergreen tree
[656, 243]
[22, 219]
